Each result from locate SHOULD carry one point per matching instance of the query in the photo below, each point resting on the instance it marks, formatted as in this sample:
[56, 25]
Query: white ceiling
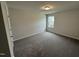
[35, 5]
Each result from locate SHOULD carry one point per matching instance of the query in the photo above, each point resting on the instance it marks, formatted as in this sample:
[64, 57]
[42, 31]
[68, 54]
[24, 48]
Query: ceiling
[36, 5]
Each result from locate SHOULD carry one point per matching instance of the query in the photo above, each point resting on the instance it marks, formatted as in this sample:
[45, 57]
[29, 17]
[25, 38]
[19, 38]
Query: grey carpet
[46, 45]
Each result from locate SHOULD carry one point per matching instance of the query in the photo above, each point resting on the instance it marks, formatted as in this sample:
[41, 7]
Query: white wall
[26, 22]
[67, 23]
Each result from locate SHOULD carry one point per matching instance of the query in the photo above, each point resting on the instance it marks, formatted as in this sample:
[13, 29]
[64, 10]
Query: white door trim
[6, 23]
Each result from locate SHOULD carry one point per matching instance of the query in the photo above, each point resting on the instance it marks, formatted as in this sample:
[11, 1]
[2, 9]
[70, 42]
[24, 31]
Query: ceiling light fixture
[47, 7]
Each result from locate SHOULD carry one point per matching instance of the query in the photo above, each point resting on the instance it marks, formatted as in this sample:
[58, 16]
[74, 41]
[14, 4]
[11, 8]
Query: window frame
[47, 15]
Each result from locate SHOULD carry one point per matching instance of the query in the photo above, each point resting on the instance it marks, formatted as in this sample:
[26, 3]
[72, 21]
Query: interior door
[4, 47]
[7, 26]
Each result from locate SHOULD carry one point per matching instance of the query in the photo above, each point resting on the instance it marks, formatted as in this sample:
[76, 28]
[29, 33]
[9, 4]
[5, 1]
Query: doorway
[6, 20]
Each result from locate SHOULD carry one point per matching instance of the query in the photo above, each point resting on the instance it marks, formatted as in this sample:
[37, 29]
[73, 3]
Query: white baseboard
[27, 36]
[43, 31]
[67, 35]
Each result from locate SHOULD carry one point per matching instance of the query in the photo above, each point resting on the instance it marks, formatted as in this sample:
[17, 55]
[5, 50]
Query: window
[51, 21]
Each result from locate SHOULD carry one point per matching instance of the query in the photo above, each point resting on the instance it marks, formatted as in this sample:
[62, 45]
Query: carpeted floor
[46, 45]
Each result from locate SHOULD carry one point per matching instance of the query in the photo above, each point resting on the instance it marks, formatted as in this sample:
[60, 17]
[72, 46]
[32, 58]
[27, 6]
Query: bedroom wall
[26, 22]
[67, 23]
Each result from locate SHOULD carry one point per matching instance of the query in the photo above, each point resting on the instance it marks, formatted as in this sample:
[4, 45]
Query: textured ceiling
[35, 5]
